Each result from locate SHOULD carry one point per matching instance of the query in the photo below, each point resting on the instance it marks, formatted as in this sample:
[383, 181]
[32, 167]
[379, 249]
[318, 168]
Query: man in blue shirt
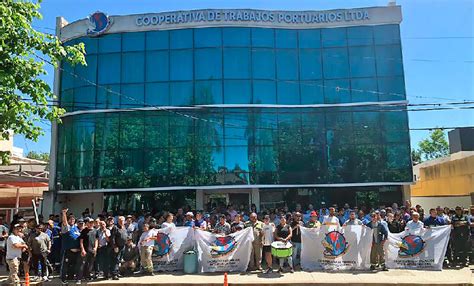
[433, 220]
[70, 246]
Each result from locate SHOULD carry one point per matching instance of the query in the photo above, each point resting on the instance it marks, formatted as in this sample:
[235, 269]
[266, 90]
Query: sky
[437, 44]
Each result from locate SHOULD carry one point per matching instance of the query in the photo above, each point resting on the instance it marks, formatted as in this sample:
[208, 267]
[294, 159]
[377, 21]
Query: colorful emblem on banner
[223, 246]
[335, 244]
[162, 244]
[99, 22]
[410, 246]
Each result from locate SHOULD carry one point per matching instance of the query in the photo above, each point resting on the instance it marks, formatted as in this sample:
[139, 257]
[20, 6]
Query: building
[245, 106]
[448, 181]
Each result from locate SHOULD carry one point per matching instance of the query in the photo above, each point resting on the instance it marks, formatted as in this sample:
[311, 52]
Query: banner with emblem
[423, 249]
[219, 253]
[169, 248]
[329, 248]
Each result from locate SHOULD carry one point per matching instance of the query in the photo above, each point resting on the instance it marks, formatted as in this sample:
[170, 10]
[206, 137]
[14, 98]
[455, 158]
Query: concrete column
[255, 198]
[199, 200]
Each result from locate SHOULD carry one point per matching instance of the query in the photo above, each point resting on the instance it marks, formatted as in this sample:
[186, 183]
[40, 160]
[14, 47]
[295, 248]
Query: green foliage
[23, 52]
[435, 146]
[42, 156]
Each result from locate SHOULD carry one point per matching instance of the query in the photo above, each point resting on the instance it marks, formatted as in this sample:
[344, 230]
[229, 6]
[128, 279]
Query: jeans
[70, 264]
[290, 261]
[296, 253]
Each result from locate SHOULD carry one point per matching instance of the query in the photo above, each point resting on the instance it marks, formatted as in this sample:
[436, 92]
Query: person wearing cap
[255, 262]
[88, 241]
[15, 247]
[189, 219]
[414, 226]
[222, 227]
[313, 220]
[353, 220]
[268, 229]
[130, 257]
[460, 236]
[380, 235]
[39, 247]
[70, 246]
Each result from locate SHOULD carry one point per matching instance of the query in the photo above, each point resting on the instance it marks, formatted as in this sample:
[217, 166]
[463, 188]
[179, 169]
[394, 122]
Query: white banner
[217, 253]
[328, 249]
[169, 248]
[422, 250]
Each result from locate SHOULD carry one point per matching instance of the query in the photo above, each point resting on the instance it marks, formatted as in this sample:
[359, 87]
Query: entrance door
[239, 199]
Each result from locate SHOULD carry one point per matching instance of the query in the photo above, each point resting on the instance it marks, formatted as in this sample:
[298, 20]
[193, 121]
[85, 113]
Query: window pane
[107, 136]
[395, 120]
[157, 66]
[181, 39]
[181, 93]
[334, 37]
[337, 91]
[208, 92]
[335, 63]
[207, 37]
[263, 63]
[157, 40]
[288, 93]
[286, 38]
[264, 92]
[133, 67]
[181, 65]
[83, 133]
[110, 43]
[391, 88]
[237, 91]
[133, 42]
[208, 64]
[84, 98]
[386, 34]
[362, 61]
[209, 160]
[360, 36]
[309, 38]
[67, 99]
[236, 63]
[312, 92]
[133, 95]
[287, 64]
[91, 44]
[397, 156]
[108, 96]
[84, 162]
[156, 129]
[262, 37]
[157, 94]
[389, 60]
[236, 37]
[156, 164]
[67, 78]
[310, 64]
[364, 90]
[131, 131]
[237, 159]
[109, 68]
[86, 75]
[209, 133]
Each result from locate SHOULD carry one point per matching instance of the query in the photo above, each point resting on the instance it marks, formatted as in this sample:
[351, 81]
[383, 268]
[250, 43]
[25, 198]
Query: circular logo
[335, 244]
[162, 244]
[411, 245]
[99, 22]
[223, 245]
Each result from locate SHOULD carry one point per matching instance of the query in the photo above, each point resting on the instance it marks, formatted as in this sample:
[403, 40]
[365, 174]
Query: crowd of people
[111, 245]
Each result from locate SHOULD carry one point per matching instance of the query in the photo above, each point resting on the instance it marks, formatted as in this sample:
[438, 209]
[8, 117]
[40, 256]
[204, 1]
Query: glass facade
[235, 146]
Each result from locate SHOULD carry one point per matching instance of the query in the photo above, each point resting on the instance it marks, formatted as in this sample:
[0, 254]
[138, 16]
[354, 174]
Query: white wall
[433, 202]
[76, 203]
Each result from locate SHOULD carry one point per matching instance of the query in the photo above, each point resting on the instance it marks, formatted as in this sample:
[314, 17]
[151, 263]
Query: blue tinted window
[91, 44]
[360, 36]
[309, 38]
[389, 60]
[109, 68]
[362, 61]
[264, 92]
[287, 64]
[237, 91]
[335, 63]
[133, 67]
[84, 97]
[157, 94]
[395, 120]
[310, 64]
[364, 89]
[237, 159]
[288, 93]
[67, 78]
[236, 37]
[334, 37]
[236, 63]
[391, 88]
[157, 66]
[235, 132]
[286, 38]
[312, 92]
[110, 43]
[181, 65]
[133, 95]
[263, 63]
[263, 38]
[207, 37]
[133, 42]
[337, 91]
[181, 39]
[208, 63]
[157, 40]
[108, 96]
[208, 92]
[181, 93]
[386, 34]
[86, 75]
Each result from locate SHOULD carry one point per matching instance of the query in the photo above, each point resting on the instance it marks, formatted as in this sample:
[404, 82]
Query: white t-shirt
[414, 227]
[268, 230]
[13, 252]
[148, 234]
[167, 224]
[332, 222]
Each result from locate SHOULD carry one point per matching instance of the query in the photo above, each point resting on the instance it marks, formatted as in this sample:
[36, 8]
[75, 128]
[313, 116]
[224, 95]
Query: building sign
[99, 23]
[255, 16]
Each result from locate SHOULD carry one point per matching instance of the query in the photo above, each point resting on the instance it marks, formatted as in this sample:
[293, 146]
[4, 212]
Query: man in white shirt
[268, 229]
[15, 246]
[146, 243]
[414, 226]
[331, 220]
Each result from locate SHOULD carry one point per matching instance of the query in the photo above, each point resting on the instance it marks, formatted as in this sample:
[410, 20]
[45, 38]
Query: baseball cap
[110, 218]
[80, 220]
[16, 225]
[313, 213]
[190, 214]
[21, 220]
[88, 219]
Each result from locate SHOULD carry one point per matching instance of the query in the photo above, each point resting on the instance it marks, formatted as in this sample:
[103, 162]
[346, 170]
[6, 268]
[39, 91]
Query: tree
[25, 97]
[435, 146]
[42, 156]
